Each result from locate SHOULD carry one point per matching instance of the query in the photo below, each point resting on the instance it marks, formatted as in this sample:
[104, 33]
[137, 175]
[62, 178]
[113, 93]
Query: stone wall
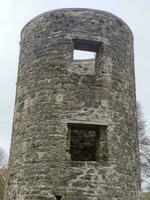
[54, 91]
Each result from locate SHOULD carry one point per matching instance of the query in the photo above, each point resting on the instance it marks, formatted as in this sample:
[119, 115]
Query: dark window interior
[86, 45]
[85, 49]
[58, 197]
[88, 142]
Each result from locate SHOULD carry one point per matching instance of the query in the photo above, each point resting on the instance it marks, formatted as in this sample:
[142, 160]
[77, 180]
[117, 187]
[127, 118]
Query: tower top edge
[63, 10]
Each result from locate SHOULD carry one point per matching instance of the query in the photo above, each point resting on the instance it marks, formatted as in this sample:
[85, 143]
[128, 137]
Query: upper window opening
[83, 55]
[85, 49]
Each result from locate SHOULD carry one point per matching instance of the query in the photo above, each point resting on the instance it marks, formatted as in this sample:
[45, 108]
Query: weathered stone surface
[54, 91]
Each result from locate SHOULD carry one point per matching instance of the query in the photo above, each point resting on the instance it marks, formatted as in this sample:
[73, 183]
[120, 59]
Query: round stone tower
[75, 127]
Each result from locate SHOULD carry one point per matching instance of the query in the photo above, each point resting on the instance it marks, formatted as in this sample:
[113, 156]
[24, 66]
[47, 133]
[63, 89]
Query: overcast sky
[15, 13]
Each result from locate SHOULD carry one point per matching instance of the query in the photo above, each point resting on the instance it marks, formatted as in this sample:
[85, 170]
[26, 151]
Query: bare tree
[144, 142]
[3, 172]
[3, 157]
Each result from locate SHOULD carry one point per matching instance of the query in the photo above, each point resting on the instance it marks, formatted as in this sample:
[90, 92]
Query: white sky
[15, 13]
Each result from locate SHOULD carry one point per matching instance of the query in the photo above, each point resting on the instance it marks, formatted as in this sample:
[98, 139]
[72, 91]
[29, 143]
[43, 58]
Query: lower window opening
[58, 197]
[88, 142]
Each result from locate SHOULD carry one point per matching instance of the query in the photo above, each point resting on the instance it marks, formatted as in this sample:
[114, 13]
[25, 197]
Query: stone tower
[75, 127]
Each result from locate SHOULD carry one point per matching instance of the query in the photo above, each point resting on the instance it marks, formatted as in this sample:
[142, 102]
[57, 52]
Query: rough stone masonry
[75, 126]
